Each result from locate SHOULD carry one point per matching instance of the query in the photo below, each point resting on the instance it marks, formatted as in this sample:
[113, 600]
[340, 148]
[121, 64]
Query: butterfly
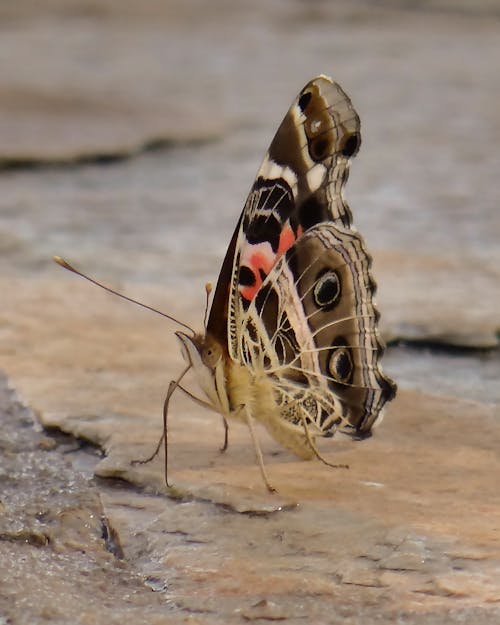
[291, 340]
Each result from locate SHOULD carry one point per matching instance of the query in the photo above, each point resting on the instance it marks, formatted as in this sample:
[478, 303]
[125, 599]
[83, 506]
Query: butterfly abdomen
[257, 394]
[239, 385]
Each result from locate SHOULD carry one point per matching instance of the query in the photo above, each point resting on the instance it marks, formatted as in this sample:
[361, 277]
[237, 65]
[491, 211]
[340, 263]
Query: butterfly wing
[313, 327]
[295, 296]
[294, 300]
[298, 185]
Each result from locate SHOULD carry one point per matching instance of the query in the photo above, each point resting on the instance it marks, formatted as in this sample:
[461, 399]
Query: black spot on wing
[304, 100]
[327, 289]
[246, 276]
[311, 212]
[264, 228]
[269, 206]
[320, 148]
[273, 195]
[351, 144]
[340, 366]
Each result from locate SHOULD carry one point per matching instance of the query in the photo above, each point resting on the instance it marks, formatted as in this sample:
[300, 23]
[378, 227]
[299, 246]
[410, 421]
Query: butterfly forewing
[298, 185]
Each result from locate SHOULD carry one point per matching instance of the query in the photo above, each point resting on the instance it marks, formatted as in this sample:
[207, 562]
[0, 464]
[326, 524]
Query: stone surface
[60, 559]
[395, 546]
[409, 533]
[92, 80]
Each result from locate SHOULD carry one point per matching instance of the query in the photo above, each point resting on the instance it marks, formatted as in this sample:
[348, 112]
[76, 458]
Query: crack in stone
[103, 157]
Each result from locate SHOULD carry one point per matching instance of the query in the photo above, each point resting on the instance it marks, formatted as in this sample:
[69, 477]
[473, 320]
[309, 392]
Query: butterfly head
[205, 355]
[211, 352]
[200, 350]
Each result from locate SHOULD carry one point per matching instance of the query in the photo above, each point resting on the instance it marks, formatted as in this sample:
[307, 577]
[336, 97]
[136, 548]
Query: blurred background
[130, 133]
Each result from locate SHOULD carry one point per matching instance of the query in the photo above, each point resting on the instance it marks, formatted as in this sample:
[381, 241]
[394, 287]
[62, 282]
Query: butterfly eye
[327, 290]
[211, 355]
[340, 364]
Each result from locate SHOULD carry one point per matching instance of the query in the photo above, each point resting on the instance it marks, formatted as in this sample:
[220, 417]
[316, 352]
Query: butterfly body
[232, 388]
[291, 339]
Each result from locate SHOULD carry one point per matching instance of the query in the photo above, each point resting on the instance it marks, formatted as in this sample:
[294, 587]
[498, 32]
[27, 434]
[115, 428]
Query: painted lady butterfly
[291, 339]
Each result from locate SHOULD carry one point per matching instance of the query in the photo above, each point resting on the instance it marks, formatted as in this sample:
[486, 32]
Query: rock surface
[409, 533]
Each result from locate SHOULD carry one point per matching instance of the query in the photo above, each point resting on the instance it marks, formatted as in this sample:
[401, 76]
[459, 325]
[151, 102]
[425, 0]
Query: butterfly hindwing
[316, 323]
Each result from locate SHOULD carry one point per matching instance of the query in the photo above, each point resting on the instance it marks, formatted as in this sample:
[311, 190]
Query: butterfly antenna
[208, 290]
[66, 265]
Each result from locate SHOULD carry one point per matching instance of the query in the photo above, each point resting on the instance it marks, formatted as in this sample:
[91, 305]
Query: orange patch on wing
[287, 239]
[261, 261]
[258, 262]
[249, 292]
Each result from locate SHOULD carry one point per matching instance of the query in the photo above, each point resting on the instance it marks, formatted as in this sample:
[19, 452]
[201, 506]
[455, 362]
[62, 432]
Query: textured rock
[353, 549]
[393, 525]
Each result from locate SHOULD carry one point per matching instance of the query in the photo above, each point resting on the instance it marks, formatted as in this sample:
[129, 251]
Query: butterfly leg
[204, 404]
[312, 444]
[171, 388]
[174, 384]
[258, 452]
